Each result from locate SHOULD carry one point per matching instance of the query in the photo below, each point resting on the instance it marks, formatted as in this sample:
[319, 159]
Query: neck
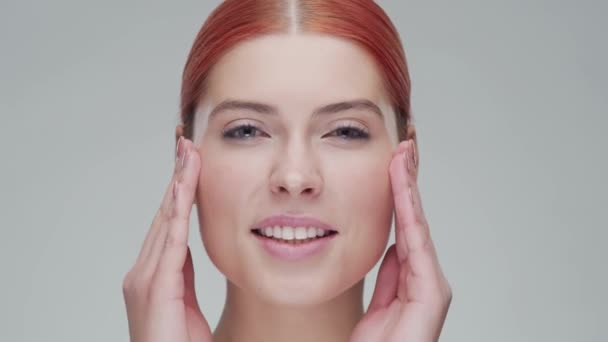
[246, 318]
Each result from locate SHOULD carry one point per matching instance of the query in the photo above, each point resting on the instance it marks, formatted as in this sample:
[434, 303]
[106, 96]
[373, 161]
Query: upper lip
[293, 221]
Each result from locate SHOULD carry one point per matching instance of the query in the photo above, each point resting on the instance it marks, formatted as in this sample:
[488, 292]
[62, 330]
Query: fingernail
[179, 155]
[407, 160]
[414, 152]
[177, 151]
[186, 154]
[409, 155]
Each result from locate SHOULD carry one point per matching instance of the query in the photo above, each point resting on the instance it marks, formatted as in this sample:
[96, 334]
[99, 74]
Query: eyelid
[352, 124]
[242, 122]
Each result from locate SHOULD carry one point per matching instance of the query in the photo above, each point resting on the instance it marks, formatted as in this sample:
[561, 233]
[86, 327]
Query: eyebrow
[262, 108]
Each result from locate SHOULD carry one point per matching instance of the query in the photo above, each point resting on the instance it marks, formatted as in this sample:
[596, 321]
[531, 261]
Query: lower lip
[294, 252]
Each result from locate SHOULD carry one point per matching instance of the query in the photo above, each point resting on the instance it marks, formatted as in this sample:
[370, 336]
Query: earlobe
[179, 131]
[411, 133]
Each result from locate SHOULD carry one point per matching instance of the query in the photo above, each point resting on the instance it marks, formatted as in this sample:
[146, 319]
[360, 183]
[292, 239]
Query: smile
[293, 235]
[294, 238]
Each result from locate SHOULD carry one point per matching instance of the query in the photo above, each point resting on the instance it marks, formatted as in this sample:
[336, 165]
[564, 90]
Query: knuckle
[448, 293]
[157, 217]
[127, 282]
[444, 295]
[427, 244]
[133, 285]
[171, 240]
[175, 237]
[163, 212]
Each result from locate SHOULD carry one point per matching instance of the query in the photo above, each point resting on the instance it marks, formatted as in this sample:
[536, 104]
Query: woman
[297, 146]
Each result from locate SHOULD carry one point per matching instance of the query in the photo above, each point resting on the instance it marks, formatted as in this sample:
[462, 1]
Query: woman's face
[332, 165]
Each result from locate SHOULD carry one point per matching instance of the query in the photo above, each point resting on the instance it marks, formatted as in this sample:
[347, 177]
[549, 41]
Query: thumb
[387, 281]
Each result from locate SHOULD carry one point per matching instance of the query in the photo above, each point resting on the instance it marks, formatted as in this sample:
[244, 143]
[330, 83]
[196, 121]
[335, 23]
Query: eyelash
[361, 134]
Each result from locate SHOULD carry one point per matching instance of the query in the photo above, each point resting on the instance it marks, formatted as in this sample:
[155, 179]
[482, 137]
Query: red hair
[360, 21]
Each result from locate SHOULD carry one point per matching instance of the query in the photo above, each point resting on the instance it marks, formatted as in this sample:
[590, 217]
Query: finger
[171, 211]
[426, 245]
[421, 252]
[413, 234]
[386, 282]
[153, 258]
[400, 186]
[401, 245]
[199, 327]
[162, 214]
[400, 148]
[174, 250]
[190, 293]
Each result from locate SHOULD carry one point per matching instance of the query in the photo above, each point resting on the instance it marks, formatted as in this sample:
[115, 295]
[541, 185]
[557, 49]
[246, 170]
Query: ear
[411, 132]
[179, 131]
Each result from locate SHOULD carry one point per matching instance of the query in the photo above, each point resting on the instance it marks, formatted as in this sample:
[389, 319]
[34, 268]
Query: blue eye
[246, 131]
[351, 132]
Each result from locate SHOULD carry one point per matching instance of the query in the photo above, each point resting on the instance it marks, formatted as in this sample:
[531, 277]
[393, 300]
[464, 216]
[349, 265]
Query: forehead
[303, 71]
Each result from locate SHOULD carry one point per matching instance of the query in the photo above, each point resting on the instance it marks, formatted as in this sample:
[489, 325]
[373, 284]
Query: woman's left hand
[412, 296]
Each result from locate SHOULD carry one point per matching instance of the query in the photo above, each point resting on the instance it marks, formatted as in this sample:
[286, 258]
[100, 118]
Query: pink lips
[293, 221]
[294, 251]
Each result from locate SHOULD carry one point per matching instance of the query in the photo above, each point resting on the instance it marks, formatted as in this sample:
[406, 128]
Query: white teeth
[292, 233]
[276, 232]
[288, 233]
[300, 233]
[311, 232]
[268, 231]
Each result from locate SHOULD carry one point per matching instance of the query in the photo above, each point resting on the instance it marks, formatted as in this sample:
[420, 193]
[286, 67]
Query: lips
[289, 238]
[283, 220]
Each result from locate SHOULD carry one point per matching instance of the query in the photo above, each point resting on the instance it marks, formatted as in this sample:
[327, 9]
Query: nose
[296, 174]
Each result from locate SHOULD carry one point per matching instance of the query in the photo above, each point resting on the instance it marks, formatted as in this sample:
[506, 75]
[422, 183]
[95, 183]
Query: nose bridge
[296, 169]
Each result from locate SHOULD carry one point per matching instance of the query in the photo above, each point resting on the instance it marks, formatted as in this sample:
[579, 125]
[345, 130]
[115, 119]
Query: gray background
[509, 99]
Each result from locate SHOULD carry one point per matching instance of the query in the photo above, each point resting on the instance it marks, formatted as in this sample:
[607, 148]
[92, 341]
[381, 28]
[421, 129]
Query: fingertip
[397, 162]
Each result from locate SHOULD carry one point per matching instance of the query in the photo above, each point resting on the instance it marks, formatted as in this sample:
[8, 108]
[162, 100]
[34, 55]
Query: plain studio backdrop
[509, 97]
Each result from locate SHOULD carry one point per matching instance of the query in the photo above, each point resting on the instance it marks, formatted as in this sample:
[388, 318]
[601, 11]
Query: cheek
[365, 190]
[367, 200]
[222, 191]
[226, 182]
[374, 207]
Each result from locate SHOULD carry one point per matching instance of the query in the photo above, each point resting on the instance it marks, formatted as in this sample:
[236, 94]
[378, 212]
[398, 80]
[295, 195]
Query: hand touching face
[159, 289]
[291, 142]
[412, 296]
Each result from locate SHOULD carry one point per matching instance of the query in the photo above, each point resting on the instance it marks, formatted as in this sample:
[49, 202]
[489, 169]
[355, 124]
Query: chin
[297, 291]
[302, 284]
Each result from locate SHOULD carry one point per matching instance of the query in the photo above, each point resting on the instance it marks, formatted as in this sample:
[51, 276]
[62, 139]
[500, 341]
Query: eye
[242, 132]
[350, 132]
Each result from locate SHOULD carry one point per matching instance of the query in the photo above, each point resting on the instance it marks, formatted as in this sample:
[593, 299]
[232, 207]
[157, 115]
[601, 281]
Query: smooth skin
[409, 303]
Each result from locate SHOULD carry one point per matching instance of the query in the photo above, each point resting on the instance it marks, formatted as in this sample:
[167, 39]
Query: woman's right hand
[159, 289]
